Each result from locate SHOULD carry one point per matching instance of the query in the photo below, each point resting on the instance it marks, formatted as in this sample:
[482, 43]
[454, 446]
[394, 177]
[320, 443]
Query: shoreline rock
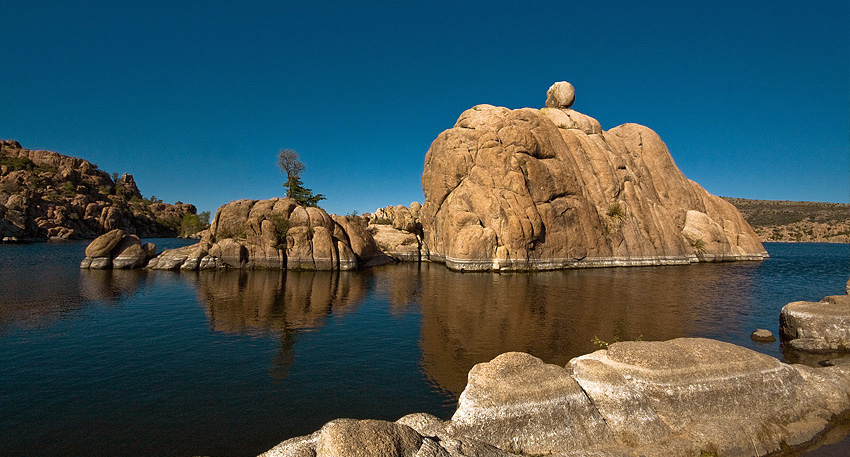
[817, 326]
[679, 397]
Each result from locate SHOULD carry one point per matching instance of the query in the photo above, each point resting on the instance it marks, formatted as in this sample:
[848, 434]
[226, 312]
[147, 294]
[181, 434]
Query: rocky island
[46, 196]
[548, 188]
[505, 190]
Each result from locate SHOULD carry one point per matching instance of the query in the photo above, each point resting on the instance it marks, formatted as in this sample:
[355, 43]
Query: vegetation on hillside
[775, 220]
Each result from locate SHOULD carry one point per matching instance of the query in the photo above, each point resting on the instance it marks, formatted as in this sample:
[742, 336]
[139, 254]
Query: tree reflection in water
[255, 302]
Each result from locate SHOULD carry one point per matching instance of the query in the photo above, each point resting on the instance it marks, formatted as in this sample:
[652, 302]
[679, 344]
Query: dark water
[230, 363]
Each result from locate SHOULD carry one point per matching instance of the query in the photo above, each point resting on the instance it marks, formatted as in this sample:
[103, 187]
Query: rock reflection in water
[31, 297]
[110, 285]
[251, 302]
[471, 318]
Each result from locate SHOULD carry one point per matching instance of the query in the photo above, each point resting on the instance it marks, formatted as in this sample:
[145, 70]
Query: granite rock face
[682, 397]
[275, 234]
[516, 402]
[548, 189]
[398, 232]
[817, 326]
[117, 249]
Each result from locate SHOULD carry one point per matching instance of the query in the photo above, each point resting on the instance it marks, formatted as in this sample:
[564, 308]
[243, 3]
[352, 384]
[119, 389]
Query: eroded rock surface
[119, 250]
[817, 326]
[547, 189]
[275, 234]
[682, 397]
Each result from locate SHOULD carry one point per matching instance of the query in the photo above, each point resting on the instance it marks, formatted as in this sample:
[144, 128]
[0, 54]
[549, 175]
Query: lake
[230, 363]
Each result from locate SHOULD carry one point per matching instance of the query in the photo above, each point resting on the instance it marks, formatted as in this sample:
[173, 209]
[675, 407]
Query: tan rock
[398, 244]
[817, 326]
[560, 95]
[713, 394]
[520, 404]
[129, 253]
[103, 245]
[347, 437]
[546, 189]
[150, 250]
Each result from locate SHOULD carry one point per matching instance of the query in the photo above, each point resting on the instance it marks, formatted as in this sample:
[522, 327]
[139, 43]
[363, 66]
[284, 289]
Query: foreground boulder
[547, 189]
[817, 326]
[275, 234]
[683, 397]
[117, 249]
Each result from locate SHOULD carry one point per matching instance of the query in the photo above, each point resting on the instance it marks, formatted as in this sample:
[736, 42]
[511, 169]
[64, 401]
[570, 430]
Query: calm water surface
[230, 363]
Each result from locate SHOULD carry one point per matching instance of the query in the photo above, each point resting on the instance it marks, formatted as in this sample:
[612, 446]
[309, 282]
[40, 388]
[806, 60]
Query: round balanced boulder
[560, 95]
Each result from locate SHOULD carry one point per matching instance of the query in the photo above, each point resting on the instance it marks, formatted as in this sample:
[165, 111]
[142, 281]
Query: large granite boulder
[520, 404]
[546, 189]
[274, 234]
[119, 250]
[683, 397]
[817, 326]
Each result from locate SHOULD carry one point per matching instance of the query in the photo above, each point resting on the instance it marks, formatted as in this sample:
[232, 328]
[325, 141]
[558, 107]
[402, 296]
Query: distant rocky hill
[796, 221]
[45, 195]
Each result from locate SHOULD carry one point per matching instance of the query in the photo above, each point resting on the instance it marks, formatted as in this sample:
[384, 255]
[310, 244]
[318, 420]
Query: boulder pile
[119, 250]
[275, 234]
[48, 196]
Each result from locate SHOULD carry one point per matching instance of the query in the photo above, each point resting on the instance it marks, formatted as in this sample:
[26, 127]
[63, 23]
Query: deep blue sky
[196, 98]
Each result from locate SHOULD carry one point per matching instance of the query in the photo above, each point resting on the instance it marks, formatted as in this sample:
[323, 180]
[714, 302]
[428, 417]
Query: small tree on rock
[290, 164]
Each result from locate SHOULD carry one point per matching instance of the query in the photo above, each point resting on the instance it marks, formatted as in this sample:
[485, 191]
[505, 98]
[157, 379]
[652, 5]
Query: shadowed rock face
[680, 397]
[548, 189]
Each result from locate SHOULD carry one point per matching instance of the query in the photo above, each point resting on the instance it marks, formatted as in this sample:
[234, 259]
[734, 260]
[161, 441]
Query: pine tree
[291, 165]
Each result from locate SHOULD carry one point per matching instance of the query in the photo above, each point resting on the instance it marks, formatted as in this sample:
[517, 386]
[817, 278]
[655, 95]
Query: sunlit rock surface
[549, 189]
[117, 249]
[682, 397]
[817, 326]
[274, 234]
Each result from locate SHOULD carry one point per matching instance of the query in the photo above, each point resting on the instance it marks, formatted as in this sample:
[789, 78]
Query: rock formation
[397, 232]
[45, 195]
[681, 397]
[817, 326]
[275, 234]
[548, 189]
[119, 250]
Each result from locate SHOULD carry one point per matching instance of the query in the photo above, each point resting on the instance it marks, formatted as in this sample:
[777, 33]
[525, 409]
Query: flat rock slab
[817, 326]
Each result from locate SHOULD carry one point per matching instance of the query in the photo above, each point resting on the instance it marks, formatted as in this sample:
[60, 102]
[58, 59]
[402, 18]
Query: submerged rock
[763, 336]
[547, 189]
[683, 397]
